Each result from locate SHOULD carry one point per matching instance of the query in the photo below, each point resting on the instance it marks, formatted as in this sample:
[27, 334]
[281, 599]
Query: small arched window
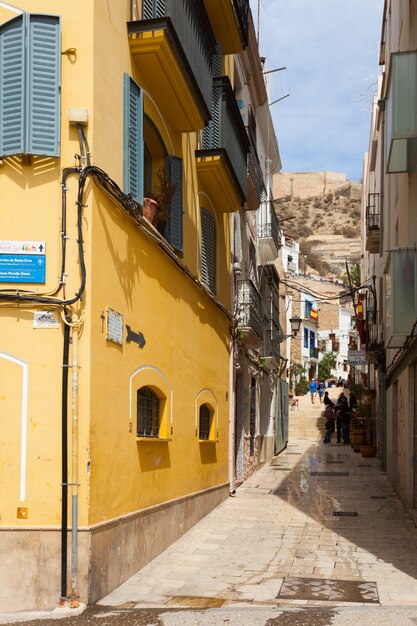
[148, 413]
[205, 422]
[208, 249]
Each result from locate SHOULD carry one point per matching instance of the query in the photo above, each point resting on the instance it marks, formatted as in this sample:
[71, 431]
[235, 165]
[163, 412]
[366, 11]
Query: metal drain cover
[329, 473]
[345, 513]
[329, 590]
[334, 462]
[378, 497]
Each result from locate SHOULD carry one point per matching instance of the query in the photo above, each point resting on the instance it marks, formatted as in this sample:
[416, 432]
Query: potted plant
[157, 204]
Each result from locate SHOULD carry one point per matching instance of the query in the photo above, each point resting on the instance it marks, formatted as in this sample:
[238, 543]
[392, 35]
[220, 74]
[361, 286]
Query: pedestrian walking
[329, 423]
[313, 389]
[320, 389]
[327, 400]
[343, 415]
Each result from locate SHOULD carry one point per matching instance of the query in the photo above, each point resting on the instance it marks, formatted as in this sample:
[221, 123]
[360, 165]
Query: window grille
[148, 413]
[204, 422]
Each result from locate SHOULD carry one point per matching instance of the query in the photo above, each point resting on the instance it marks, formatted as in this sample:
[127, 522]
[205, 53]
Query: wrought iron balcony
[249, 307]
[373, 223]
[272, 331]
[268, 232]
[174, 43]
[314, 353]
[222, 159]
[256, 184]
[230, 21]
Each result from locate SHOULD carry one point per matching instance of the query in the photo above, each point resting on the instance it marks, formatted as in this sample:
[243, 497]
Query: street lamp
[295, 327]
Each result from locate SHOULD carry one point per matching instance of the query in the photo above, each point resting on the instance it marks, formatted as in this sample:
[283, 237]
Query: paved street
[319, 529]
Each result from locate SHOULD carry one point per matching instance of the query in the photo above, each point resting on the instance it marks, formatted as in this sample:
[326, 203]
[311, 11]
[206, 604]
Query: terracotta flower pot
[150, 206]
[368, 451]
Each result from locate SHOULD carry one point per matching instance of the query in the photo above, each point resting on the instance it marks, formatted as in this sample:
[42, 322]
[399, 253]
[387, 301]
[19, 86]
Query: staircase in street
[306, 421]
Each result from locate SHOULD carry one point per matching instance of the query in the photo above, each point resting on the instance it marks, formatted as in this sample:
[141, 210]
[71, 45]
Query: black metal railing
[373, 215]
[267, 220]
[255, 170]
[249, 307]
[242, 9]
[314, 353]
[226, 134]
[272, 329]
[191, 28]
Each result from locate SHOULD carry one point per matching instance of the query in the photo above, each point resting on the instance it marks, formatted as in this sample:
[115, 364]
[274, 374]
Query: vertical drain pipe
[64, 454]
[74, 478]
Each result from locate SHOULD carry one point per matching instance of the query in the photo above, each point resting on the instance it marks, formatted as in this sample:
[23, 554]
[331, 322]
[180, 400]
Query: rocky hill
[323, 210]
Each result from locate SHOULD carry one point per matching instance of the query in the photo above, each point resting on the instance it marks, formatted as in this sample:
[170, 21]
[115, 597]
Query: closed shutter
[208, 249]
[12, 87]
[133, 139]
[43, 79]
[153, 8]
[211, 133]
[174, 169]
[30, 58]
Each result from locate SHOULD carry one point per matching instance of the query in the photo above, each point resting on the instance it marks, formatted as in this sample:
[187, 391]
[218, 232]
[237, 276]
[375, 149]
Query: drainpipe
[383, 385]
[74, 478]
[64, 455]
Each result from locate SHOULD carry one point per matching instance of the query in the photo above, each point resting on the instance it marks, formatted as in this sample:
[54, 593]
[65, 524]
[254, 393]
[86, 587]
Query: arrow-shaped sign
[135, 337]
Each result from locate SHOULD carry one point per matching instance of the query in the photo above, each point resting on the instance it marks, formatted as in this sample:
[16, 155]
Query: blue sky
[330, 49]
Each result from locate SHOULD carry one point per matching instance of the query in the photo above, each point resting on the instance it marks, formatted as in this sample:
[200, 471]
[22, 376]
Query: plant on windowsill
[157, 204]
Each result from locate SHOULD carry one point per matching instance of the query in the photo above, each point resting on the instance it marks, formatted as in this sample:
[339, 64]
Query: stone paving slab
[280, 525]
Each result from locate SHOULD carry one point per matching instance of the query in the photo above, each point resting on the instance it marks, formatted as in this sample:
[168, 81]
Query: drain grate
[329, 473]
[282, 469]
[364, 465]
[378, 497]
[345, 513]
[329, 590]
[334, 462]
[297, 453]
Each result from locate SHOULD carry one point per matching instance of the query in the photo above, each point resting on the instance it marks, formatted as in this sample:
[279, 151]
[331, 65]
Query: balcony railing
[255, 171]
[242, 9]
[314, 353]
[249, 307]
[190, 31]
[272, 330]
[268, 227]
[225, 135]
[271, 342]
[373, 223]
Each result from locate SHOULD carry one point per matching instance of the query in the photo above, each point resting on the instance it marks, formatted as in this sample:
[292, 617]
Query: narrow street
[320, 528]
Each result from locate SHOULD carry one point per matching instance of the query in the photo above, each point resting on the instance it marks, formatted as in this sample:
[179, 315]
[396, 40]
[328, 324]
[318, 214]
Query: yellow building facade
[115, 328]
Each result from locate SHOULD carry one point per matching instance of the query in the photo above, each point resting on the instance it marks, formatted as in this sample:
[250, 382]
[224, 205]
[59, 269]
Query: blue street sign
[22, 268]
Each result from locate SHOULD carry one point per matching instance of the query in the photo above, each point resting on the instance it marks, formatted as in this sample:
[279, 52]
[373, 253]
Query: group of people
[338, 416]
[316, 388]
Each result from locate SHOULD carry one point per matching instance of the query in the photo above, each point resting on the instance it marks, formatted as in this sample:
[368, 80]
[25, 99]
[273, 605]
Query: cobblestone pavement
[317, 535]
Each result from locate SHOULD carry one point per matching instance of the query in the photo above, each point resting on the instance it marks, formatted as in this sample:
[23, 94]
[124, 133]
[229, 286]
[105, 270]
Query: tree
[326, 364]
[355, 274]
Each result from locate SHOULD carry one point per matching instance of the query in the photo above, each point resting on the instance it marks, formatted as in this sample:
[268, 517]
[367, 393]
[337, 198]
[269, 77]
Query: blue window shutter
[43, 85]
[12, 86]
[174, 169]
[208, 249]
[305, 337]
[133, 139]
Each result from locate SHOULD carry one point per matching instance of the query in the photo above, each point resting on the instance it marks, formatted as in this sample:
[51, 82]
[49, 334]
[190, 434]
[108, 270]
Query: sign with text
[357, 357]
[22, 261]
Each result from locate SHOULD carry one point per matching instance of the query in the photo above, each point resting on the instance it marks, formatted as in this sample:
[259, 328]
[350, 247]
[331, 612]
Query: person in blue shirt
[320, 389]
[313, 389]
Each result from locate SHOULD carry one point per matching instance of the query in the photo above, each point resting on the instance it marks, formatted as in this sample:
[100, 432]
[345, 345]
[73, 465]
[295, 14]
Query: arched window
[208, 249]
[148, 413]
[205, 422]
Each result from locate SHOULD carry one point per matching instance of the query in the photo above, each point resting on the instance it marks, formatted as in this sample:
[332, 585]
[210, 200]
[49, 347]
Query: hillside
[324, 209]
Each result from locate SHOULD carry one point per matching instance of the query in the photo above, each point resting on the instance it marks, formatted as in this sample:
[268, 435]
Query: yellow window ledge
[154, 439]
[208, 441]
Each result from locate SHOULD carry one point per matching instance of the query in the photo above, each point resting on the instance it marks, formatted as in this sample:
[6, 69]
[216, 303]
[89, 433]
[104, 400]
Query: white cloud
[330, 50]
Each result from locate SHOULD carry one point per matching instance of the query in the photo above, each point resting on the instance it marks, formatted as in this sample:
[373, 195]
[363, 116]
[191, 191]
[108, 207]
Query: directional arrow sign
[135, 337]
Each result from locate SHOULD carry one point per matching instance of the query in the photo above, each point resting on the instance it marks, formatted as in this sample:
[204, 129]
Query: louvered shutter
[211, 133]
[43, 85]
[133, 139]
[174, 169]
[12, 86]
[208, 249]
[153, 8]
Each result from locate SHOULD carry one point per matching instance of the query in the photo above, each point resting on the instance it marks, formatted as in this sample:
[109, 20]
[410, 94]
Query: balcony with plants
[373, 223]
[230, 22]
[173, 44]
[249, 313]
[222, 155]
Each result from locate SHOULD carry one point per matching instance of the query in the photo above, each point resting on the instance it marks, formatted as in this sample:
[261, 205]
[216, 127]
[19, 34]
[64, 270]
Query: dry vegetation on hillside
[334, 213]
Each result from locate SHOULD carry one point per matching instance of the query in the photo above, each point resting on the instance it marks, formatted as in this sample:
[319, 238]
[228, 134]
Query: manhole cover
[345, 513]
[329, 473]
[329, 590]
